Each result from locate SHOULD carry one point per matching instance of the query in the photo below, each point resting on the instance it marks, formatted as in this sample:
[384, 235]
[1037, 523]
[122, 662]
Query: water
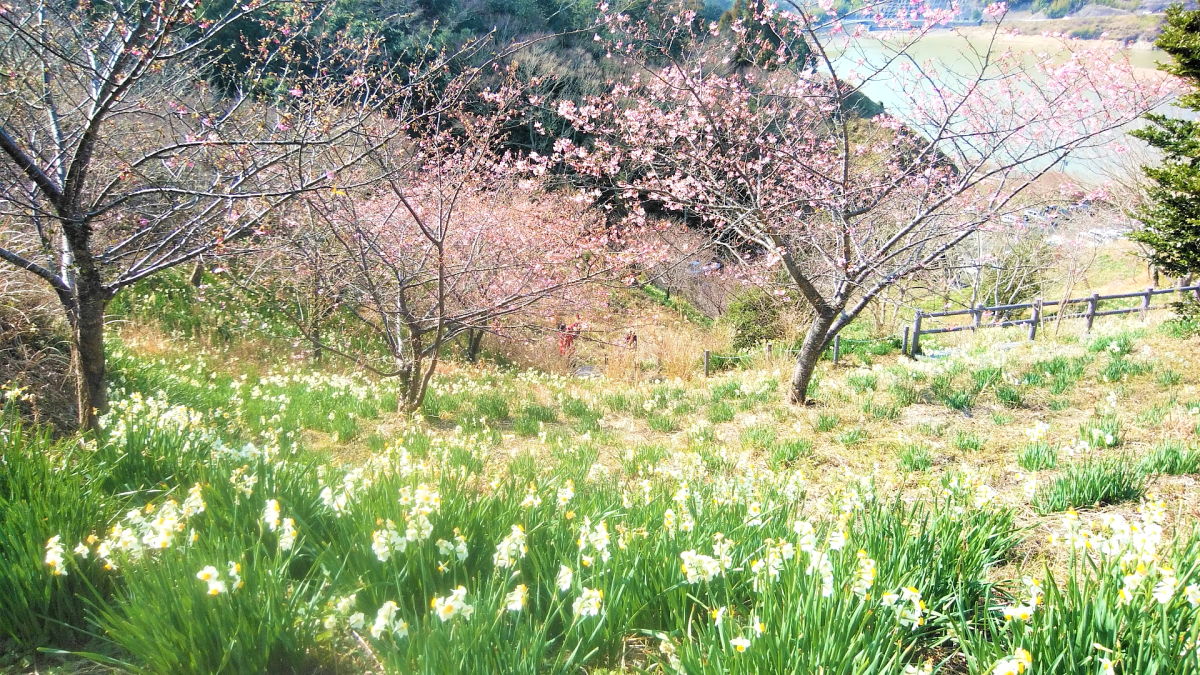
[956, 54]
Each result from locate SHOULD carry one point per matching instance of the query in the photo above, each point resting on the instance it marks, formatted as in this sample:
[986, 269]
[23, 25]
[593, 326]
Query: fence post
[976, 316]
[1146, 302]
[1091, 310]
[707, 358]
[768, 351]
[1035, 319]
[904, 342]
[837, 348]
[916, 335]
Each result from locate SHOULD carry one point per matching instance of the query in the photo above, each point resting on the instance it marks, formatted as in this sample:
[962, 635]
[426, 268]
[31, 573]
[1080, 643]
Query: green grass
[625, 513]
[1172, 458]
[968, 442]
[787, 453]
[664, 424]
[758, 437]
[827, 422]
[1092, 483]
[904, 393]
[914, 458]
[853, 436]
[676, 303]
[1168, 378]
[862, 383]
[1038, 457]
[1102, 432]
[881, 411]
[720, 411]
[1009, 396]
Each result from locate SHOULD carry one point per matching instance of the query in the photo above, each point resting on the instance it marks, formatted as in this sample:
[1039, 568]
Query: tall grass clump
[1095, 482]
[1172, 458]
[787, 453]
[914, 457]
[1038, 457]
[1102, 432]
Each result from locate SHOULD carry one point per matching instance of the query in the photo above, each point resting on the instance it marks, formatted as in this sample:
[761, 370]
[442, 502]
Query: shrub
[755, 318]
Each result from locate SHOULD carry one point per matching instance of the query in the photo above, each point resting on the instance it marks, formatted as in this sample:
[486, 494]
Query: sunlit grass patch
[853, 436]
[720, 411]
[1102, 432]
[1168, 378]
[1038, 457]
[827, 422]
[1172, 458]
[1092, 483]
[914, 457]
[786, 453]
[968, 442]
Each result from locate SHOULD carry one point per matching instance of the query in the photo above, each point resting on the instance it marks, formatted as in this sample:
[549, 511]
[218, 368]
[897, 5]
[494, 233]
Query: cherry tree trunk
[810, 352]
[474, 342]
[87, 324]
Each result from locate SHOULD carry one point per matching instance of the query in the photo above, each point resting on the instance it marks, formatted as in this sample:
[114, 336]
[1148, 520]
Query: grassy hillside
[1014, 500]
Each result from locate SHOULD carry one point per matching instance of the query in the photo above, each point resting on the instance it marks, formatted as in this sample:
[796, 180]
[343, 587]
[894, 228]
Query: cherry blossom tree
[808, 197]
[457, 240]
[120, 157]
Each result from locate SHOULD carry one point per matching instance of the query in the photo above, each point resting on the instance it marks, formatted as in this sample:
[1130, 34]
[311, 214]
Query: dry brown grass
[35, 352]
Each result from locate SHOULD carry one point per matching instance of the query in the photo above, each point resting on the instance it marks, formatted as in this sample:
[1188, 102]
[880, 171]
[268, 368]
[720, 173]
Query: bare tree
[122, 158]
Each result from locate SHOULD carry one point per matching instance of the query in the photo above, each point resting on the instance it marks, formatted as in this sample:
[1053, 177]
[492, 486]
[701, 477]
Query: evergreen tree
[1171, 216]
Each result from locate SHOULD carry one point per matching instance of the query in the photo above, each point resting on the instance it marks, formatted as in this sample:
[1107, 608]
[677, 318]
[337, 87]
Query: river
[955, 52]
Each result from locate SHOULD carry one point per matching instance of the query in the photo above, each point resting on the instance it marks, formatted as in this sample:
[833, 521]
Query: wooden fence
[1037, 314]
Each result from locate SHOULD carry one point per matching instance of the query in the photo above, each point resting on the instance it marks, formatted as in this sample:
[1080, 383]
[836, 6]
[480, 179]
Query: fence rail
[911, 343]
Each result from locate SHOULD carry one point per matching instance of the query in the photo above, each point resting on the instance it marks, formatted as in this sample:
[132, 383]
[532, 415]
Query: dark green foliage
[754, 315]
[1172, 210]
